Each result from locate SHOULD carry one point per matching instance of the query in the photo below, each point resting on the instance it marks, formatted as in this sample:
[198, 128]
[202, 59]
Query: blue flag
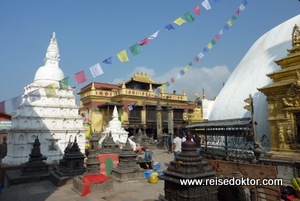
[169, 27]
[108, 60]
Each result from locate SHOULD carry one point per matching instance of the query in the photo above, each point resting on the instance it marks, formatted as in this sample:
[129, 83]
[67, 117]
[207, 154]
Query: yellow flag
[186, 68]
[163, 87]
[179, 21]
[140, 102]
[209, 45]
[123, 56]
[50, 90]
[230, 22]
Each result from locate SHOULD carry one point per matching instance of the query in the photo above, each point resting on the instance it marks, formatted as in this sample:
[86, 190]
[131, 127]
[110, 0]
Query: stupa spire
[52, 55]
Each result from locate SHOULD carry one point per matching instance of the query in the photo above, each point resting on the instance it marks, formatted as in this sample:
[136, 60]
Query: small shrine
[189, 165]
[109, 146]
[127, 170]
[92, 162]
[70, 165]
[33, 170]
[118, 133]
[145, 140]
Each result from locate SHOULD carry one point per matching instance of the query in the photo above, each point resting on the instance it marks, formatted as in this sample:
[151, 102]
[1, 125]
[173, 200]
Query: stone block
[94, 187]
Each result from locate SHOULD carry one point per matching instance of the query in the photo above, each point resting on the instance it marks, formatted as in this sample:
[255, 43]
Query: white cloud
[193, 81]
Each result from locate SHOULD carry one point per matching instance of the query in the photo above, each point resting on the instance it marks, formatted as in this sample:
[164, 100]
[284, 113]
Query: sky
[89, 32]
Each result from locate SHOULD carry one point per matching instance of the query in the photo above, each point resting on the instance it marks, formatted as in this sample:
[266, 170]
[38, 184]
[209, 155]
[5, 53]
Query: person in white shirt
[184, 138]
[176, 146]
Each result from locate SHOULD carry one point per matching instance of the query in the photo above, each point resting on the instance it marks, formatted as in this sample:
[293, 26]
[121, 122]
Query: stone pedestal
[94, 187]
[127, 169]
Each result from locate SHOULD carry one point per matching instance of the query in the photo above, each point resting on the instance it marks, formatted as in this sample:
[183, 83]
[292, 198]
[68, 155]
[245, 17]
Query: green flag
[63, 84]
[135, 49]
[213, 42]
[50, 90]
[189, 17]
[233, 17]
[191, 64]
[167, 84]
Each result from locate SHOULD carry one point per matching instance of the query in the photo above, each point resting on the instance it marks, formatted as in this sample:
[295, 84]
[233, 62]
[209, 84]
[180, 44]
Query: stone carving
[289, 135]
[281, 138]
[265, 141]
[296, 34]
[292, 95]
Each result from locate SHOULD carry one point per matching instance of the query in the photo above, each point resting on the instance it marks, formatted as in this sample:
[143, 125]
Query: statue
[198, 100]
[281, 139]
[296, 34]
[258, 149]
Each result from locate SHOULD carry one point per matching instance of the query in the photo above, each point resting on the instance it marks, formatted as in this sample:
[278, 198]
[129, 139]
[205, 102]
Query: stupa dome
[50, 72]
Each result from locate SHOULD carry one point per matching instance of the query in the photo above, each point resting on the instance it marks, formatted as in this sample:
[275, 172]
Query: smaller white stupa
[118, 133]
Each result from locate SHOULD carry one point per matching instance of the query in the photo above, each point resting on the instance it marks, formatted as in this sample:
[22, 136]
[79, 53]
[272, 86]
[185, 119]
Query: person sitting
[148, 153]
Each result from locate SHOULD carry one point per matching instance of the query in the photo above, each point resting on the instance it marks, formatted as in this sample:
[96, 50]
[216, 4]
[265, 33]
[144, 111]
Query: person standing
[184, 138]
[176, 146]
[198, 142]
[169, 141]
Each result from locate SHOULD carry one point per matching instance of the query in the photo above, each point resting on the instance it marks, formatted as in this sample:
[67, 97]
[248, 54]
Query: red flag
[80, 77]
[237, 12]
[196, 59]
[197, 10]
[2, 106]
[144, 42]
[218, 37]
[172, 80]
[149, 97]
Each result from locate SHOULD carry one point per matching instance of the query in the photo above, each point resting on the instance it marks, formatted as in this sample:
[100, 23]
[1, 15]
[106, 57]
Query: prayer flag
[149, 96]
[216, 1]
[169, 27]
[213, 42]
[108, 60]
[226, 27]
[179, 21]
[154, 94]
[153, 35]
[206, 4]
[182, 72]
[163, 87]
[196, 59]
[144, 99]
[80, 77]
[120, 118]
[191, 64]
[186, 68]
[237, 12]
[123, 56]
[121, 111]
[130, 108]
[177, 76]
[126, 109]
[134, 104]
[245, 2]
[158, 89]
[63, 84]
[221, 32]
[2, 106]
[144, 42]
[218, 37]
[197, 10]
[209, 45]
[50, 90]
[242, 7]
[230, 22]
[200, 55]
[34, 95]
[135, 49]
[189, 17]
[233, 17]
[17, 102]
[172, 80]
[96, 70]
[140, 102]
[205, 50]
[167, 84]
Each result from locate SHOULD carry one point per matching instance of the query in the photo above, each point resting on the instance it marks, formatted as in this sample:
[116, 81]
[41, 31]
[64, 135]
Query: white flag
[242, 7]
[96, 70]
[130, 107]
[206, 4]
[153, 35]
[17, 102]
[200, 55]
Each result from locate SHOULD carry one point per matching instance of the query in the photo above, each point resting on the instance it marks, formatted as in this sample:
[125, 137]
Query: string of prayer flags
[17, 102]
[50, 90]
[135, 49]
[189, 17]
[108, 60]
[206, 4]
[169, 27]
[80, 77]
[96, 70]
[197, 10]
[123, 56]
[64, 83]
[179, 21]
[144, 42]
[2, 106]
[153, 35]
[34, 95]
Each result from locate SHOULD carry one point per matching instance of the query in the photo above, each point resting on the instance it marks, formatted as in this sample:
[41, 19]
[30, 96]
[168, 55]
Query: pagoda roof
[144, 78]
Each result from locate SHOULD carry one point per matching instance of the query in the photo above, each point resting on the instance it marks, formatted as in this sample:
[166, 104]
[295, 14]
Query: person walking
[176, 146]
[198, 142]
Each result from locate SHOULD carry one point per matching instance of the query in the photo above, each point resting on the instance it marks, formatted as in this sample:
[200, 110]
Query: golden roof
[143, 78]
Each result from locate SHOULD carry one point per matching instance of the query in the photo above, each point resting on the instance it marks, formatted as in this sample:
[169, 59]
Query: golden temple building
[136, 100]
[283, 98]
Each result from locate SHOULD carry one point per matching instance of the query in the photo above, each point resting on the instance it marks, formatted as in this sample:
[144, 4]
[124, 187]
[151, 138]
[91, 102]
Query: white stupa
[118, 133]
[250, 74]
[54, 120]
